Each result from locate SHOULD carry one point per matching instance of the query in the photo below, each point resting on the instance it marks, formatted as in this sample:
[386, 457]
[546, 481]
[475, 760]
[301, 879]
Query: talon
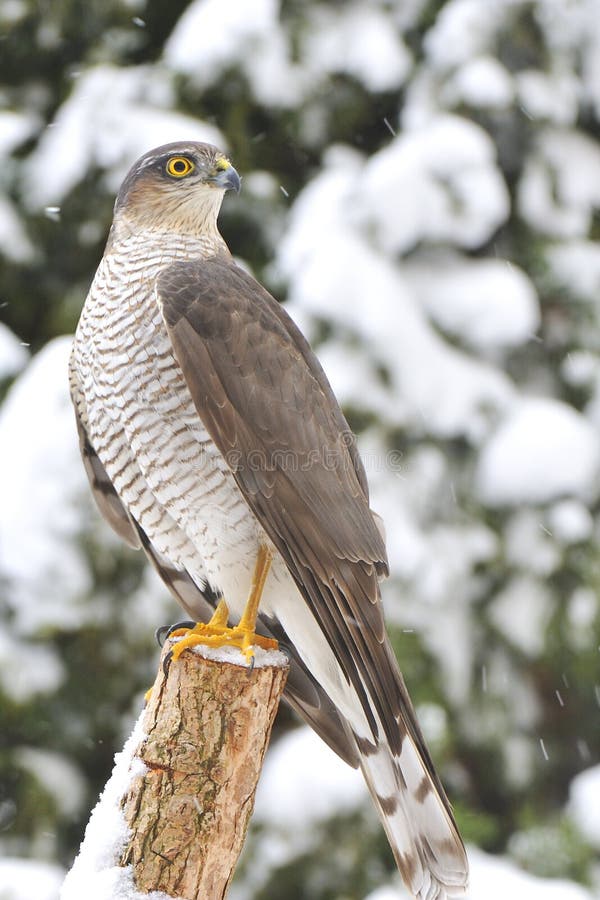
[165, 631]
[160, 635]
[180, 626]
[217, 632]
[210, 635]
[167, 663]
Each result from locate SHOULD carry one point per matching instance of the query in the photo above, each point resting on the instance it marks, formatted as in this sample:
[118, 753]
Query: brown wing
[267, 405]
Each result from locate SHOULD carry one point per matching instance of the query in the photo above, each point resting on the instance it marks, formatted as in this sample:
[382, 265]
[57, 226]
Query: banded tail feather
[416, 816]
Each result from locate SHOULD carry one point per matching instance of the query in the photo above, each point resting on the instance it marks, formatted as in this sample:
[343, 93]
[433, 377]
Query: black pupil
[179, 166]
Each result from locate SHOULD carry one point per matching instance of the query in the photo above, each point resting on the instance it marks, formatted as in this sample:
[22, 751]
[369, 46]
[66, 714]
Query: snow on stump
[173, 816]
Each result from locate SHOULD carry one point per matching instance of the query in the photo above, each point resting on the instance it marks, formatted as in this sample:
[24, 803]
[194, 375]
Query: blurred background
[421, 187]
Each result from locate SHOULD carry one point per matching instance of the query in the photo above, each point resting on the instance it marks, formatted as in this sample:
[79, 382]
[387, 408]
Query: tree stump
[174, 814]
[207, 727]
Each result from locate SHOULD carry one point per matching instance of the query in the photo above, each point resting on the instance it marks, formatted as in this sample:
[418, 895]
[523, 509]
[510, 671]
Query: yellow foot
[217, 633]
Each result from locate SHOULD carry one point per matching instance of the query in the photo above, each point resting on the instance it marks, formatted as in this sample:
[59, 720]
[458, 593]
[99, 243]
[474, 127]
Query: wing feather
[267, 405]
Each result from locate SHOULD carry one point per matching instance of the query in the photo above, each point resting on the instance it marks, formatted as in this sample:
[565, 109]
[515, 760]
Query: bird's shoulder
[217, 296]
[231, 310]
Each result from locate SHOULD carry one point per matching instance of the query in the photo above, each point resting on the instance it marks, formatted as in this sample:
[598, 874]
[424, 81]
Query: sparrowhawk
[212, 440]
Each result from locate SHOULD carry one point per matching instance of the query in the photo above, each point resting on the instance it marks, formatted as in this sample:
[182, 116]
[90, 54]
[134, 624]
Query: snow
[487, 303]
[14, 243]
[542, 451]
[496, 878]
[43, 674]
[584, 804]
[576, 267]
[235, 657]
[589, 42]
[358, 40]
[463, 30]
[12, 11]
[530, 544]
[354, 380]
[58, 776]
[407, 546]
[26, 879]
[88, 132]
[45, 497]
[441, 610]
[570, 522]
[13, 355]
[95, 874]
[210, 34]
[436, 183]
[302, 782]
[522, 612]
[481, 82]
[520, 760]
[582, 611]
[208, 38]
[560, 185]
[321, 782]
[363, 293]
[551, 97]
[15, 128]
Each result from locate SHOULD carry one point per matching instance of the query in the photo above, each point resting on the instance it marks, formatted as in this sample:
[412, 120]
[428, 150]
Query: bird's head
[177, 187]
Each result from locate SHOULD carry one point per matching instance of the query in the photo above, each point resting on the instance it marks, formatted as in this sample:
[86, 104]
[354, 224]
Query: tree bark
[207, 726]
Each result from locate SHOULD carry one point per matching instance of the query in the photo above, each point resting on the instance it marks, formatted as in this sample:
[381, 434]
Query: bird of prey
[212, 439]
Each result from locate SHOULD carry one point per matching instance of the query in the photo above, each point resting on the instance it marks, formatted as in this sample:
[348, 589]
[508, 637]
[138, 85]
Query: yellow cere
[179, 166]
[222, 164]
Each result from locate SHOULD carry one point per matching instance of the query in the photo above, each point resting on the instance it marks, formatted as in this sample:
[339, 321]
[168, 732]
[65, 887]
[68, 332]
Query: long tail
[413, 806]
[356, 700]
[424, 839]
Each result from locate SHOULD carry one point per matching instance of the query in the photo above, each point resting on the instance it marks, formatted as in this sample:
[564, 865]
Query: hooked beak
[228, 179]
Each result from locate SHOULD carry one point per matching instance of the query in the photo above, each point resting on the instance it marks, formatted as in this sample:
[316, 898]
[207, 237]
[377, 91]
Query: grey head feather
[154, 161]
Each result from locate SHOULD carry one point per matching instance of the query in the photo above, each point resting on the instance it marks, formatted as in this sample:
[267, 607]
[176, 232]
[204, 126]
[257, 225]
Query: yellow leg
[261, 570]
[217, 633]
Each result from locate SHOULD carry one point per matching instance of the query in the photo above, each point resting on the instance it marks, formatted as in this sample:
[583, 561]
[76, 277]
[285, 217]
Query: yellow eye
[179, 166]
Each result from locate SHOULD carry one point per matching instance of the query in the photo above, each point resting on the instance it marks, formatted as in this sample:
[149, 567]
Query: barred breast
[144, 426]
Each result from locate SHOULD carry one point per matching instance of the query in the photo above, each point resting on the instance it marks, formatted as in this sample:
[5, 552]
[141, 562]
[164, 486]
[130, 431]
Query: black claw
[187, 623]
[160, 635]
[167, 663]
[251, 666]
[165, 631]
